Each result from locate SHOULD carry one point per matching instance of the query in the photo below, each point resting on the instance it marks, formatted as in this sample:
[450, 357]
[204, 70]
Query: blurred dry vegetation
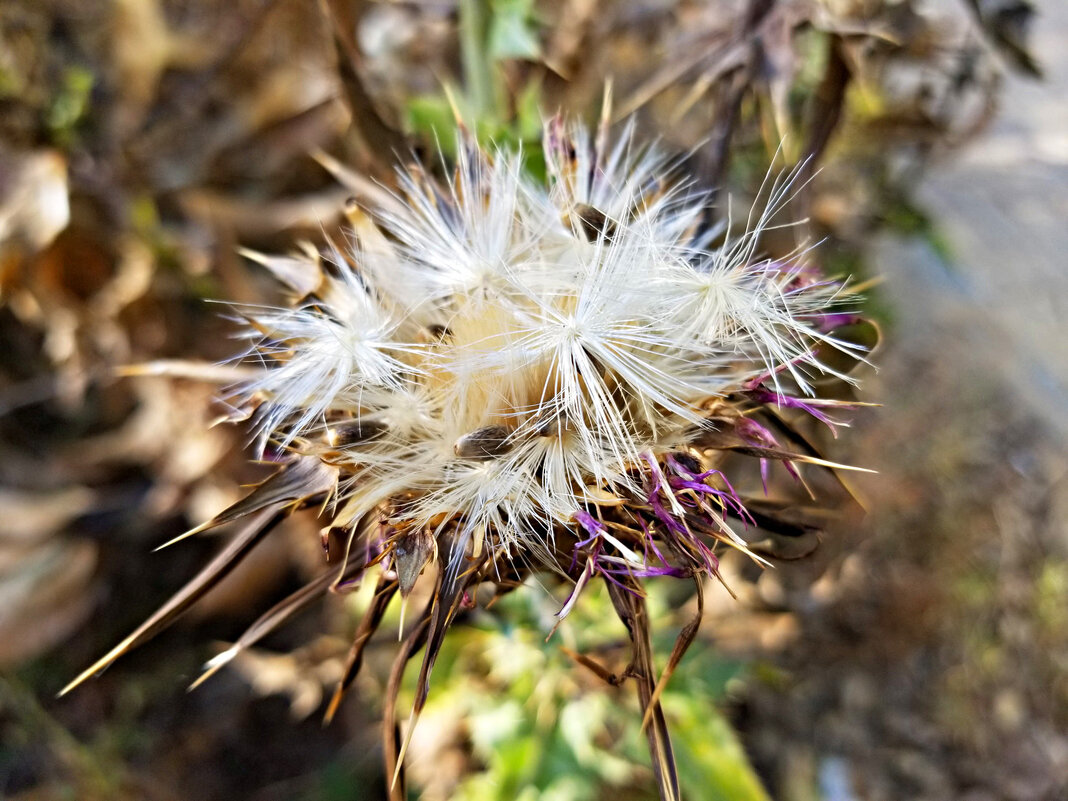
[919, 654]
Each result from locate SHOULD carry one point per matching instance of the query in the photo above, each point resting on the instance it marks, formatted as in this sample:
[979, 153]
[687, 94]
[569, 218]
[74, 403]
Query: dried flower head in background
[501, 375]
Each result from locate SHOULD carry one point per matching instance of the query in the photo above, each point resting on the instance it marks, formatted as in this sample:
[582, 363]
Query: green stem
[477, 69]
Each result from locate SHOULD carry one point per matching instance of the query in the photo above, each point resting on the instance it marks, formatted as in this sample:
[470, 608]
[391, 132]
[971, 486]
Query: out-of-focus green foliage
[490, 33]
[70, 105]
[541, 726]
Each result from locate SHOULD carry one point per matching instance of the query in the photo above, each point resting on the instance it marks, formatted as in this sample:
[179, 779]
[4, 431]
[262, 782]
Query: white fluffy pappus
[501, 374]
[498, 353]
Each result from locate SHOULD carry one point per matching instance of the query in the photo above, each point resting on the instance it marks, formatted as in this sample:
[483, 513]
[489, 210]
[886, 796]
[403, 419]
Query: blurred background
[920, 653]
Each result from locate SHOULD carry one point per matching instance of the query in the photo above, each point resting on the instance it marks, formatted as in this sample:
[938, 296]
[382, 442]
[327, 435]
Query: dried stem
[629, 602]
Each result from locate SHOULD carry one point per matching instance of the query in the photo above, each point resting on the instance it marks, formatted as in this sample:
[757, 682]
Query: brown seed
[594, 222]
[550, 424]
[355, 432]
[484, 443]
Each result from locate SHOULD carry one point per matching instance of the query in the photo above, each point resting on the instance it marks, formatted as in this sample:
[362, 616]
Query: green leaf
[70, 106]
[528, 117]
[712, 764]
[431, 119]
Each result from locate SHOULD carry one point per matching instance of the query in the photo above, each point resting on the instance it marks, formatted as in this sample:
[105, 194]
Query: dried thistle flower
[502, 377]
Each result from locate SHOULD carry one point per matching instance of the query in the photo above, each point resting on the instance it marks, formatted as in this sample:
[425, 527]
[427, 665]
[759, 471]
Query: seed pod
[484, 443]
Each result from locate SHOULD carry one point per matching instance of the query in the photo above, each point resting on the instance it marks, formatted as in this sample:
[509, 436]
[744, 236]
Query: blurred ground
[934, 665]
[1002, 205]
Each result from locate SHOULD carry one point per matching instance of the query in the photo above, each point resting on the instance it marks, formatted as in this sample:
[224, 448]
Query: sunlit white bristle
[494, 350]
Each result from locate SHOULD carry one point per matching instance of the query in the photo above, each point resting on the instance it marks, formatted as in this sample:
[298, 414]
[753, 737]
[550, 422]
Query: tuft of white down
[322, 356]
[513, 364]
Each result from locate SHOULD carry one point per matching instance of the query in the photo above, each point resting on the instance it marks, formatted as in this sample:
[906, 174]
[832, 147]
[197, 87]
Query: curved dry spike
[391, 750]
[629, 603]
[275, 617]
[779, 423]
[722, 441]
[384, 592]
[296, 480]
[398, 769]
[365, 189]
[682, 645]
[303, 275]
[179, 603]
[379, 136]
[447, 597]
[210, 372]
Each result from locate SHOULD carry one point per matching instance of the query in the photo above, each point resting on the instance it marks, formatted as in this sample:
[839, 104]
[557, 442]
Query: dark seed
[549, 425]
[484, 443]
[357, 431]
[595, 223]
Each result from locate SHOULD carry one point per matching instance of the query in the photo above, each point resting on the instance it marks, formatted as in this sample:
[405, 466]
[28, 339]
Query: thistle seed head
[518, 349]
[502, 374]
